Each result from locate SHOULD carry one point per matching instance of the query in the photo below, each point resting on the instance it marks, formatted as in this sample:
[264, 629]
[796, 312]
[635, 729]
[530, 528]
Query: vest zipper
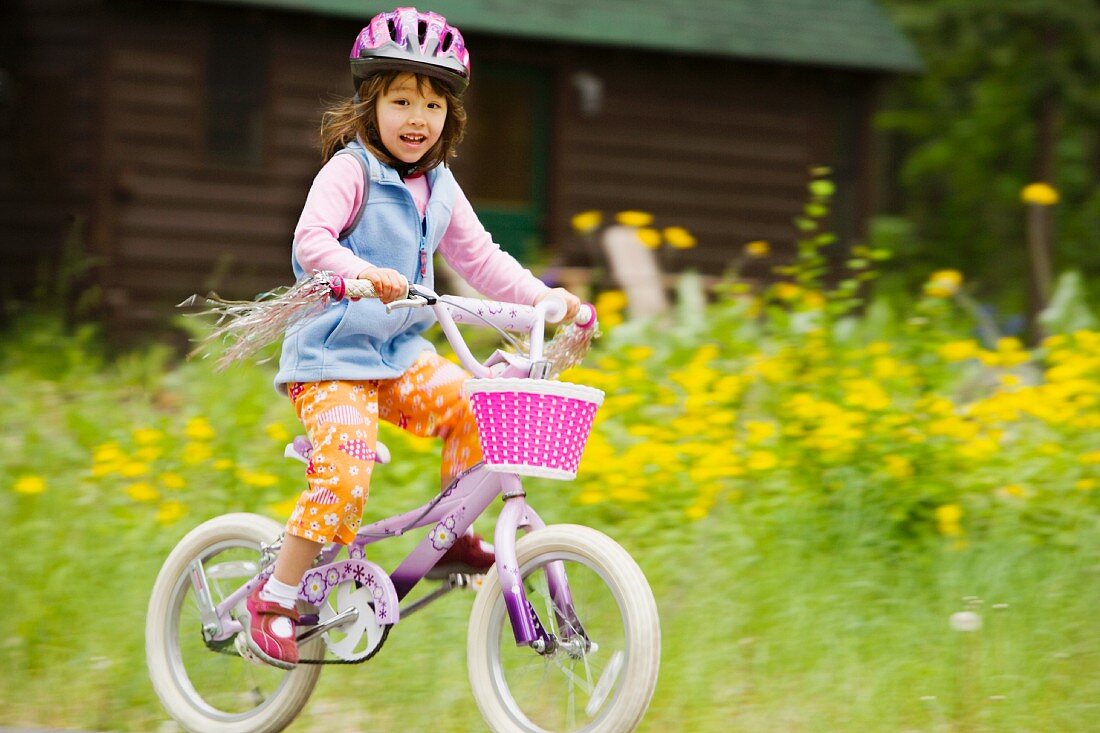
[423, 248]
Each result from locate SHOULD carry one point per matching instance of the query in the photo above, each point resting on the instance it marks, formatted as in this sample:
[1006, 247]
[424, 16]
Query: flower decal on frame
[315, 587]
[443, 536]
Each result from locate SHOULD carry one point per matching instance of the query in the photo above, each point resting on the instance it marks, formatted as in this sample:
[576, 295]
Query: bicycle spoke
[587, 670]
[581, 682]
[573, 677]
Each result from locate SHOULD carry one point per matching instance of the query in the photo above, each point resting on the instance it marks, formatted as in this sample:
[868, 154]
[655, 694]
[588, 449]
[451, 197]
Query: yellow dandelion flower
[949, 513]
[1090, 458]
[223, 464]
[697, 511]
[898, 467]
[147, 436]
[634, 218]
[761, 460]
[196, 453]
[257, 478]
[199, 428]
[759, 248]
[1012, 491]
[142, 491]
[277, 432]
[1085, 484]
[787, 291]
[948, 518]
[679, 238]
[610, 303]
[170, 511]
[586, 222]
[172, 481]
[133, 469]
[631, 494]
[589, 498]
[1039, 194]
[103, 469]
[148, 453]
[650, 237]
[979, 448]
[758, 431]
[107, 452]
[283, 508]
[813, 300]
[943, 283]
[29, 484]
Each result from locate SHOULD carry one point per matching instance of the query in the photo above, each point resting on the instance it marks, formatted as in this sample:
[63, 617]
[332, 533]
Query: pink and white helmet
[407, 40]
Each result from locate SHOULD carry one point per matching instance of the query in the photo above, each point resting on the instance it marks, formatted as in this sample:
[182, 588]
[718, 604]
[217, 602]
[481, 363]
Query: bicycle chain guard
[356, 640]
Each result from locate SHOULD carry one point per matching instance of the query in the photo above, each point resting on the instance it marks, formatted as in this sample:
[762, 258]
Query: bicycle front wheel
[602, 674]
[214, 690]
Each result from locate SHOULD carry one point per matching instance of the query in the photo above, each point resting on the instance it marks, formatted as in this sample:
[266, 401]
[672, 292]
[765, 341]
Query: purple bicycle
[563, 636]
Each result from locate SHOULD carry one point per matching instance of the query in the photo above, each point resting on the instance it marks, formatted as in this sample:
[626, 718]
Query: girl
[381, 206]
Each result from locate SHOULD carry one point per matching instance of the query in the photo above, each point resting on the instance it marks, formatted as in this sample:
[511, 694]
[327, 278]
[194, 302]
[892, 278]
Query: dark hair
[357, 119]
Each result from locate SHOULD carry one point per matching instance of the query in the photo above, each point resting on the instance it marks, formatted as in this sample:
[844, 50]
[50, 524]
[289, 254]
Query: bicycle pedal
[467, 581]
[246, 653]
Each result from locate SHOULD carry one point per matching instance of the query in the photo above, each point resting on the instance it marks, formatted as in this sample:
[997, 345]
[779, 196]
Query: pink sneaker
[269, 632]
[469, 554]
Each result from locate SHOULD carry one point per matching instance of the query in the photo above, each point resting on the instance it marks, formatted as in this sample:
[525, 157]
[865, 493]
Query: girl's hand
[389, 285]
[572, 302]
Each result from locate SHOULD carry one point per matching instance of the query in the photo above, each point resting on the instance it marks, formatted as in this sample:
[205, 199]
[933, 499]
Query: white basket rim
[526, 469]
[536, 386]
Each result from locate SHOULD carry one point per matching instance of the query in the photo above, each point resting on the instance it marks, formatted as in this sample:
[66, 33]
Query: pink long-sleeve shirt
[335, 198]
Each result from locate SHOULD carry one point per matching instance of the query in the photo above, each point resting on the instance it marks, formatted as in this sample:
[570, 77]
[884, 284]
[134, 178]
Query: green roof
[855, 34]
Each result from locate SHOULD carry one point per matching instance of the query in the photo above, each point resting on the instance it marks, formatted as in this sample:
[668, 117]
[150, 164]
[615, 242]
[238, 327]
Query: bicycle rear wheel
[216, 691]
[602, 676]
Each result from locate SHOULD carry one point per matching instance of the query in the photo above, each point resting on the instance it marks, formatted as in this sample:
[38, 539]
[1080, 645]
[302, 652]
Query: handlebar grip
[347, 288]
[555, 309]
[360, 289]
[584, 319]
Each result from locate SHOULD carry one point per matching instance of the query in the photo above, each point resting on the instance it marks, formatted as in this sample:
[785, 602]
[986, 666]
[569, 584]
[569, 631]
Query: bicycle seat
[301, 450]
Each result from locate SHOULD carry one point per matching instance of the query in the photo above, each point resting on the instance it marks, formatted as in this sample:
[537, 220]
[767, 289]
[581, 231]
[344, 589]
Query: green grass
[761, 633]
[776, 617]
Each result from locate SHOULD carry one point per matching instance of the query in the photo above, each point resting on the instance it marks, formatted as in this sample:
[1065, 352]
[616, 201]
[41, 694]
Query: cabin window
[236, 92]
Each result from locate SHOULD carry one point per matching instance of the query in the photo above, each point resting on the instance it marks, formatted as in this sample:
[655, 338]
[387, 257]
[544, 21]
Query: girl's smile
[410, 118]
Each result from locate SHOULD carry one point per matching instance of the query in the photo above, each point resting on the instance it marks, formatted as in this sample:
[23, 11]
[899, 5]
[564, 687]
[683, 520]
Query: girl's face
[410, 118]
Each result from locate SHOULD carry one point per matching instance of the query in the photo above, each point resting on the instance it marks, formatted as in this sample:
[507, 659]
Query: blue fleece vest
[358, 339]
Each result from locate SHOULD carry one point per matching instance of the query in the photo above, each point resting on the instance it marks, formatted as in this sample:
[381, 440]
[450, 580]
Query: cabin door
[503, 161]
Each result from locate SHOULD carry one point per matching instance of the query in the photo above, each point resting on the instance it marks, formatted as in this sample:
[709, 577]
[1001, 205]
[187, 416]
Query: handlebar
[451, 310]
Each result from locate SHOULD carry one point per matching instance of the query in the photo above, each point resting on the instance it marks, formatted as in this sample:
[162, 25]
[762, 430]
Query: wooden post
[1039, 246]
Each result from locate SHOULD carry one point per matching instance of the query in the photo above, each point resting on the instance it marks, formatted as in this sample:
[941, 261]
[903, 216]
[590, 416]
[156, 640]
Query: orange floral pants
[341, 419]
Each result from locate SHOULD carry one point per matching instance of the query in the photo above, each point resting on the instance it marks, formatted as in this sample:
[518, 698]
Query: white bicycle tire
[183, 704]
[639, 609]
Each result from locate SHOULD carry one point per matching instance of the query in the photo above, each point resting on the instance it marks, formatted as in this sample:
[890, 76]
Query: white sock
[281, 593]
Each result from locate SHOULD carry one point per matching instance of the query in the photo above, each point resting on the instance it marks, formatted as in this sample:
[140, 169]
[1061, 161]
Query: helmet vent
[408, 40]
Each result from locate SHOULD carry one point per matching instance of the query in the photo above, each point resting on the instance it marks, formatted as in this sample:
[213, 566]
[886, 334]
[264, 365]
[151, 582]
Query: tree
[1010, 95]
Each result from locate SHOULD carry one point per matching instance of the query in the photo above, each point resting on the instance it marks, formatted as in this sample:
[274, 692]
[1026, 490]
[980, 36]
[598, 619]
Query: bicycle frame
[450, 514]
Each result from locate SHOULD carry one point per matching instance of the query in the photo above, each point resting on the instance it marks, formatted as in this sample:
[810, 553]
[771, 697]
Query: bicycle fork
[526, 626]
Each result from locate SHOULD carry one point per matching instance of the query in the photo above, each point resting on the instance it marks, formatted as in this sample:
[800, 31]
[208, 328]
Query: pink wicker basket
[533, 427]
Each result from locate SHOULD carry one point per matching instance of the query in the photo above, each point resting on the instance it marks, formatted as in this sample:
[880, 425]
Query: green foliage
[1009, 96]
[902, 423]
